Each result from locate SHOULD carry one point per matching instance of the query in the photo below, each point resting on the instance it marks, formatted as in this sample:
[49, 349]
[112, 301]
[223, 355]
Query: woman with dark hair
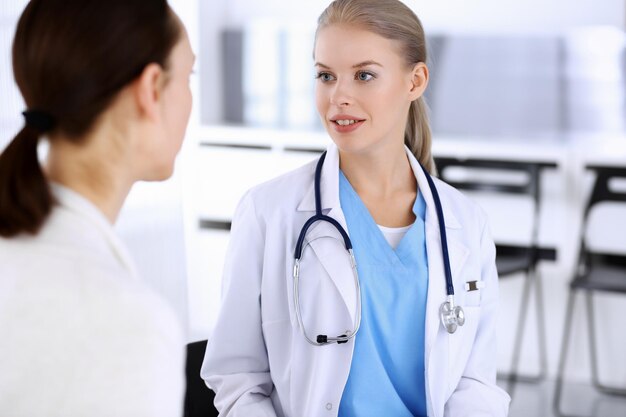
[106, 83]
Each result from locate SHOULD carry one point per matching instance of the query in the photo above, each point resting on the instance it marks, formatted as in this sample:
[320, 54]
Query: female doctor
[302, 332]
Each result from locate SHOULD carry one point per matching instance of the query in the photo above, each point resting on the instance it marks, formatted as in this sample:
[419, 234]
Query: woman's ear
[148, 91]
[419, 80]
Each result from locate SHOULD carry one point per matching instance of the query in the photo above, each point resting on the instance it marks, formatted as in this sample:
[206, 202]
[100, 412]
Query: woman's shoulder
[59, 257]
[76, 295]
[72, 273]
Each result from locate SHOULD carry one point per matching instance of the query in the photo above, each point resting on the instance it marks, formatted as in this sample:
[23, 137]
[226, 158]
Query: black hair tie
[39, 120]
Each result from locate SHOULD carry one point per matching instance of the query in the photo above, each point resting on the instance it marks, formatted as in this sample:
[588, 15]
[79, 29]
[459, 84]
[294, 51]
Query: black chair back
[601, 190]
[600, 193]
[530, 187]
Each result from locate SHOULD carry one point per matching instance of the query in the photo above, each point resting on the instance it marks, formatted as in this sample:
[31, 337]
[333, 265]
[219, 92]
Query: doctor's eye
[364, 76]
[324, 77]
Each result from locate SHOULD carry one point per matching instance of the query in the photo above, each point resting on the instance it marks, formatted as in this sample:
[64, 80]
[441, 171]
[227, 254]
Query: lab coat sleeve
[236, 365]
[477, 393]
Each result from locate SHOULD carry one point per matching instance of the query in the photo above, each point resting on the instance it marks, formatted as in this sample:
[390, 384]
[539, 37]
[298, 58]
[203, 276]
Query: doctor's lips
[344, 123]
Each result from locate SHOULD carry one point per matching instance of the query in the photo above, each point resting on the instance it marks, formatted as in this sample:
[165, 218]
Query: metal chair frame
[586, 260]
[533, 253]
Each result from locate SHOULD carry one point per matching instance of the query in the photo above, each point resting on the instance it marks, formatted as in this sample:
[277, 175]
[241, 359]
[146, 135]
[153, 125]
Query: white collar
[81, 206]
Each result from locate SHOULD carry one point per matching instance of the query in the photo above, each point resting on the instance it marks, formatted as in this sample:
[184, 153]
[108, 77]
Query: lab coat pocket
[278, 335]
[461, 343]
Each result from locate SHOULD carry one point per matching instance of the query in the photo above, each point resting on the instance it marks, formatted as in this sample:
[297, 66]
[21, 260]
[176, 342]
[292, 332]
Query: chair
[596, 272]
[198, 397]
[511, 259]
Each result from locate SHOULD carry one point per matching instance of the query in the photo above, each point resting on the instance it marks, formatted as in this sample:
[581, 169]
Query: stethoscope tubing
[442, 232]
[320, 340]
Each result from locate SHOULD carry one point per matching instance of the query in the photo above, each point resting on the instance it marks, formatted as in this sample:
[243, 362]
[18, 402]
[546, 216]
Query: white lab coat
[80, 333]
[257, 360]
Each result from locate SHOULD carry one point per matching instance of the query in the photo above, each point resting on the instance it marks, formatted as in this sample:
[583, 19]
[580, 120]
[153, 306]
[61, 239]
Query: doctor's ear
[419, 80]
[148, 91]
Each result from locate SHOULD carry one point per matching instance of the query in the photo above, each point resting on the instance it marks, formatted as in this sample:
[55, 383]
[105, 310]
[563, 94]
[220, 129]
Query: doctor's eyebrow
[359, 65]
[366, 63]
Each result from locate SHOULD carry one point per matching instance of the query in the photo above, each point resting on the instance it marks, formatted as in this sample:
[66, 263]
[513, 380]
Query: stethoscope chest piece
[451, 316]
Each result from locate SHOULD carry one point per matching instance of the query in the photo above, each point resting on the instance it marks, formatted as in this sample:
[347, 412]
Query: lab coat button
[329, 406]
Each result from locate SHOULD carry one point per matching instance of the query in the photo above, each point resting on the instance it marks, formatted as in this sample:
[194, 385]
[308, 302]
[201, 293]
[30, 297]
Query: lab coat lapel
[458, 254]
[334, 261]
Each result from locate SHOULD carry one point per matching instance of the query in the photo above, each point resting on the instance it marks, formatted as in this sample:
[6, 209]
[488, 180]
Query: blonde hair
[392, 20]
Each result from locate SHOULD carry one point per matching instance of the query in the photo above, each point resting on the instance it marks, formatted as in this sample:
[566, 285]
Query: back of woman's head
[70, 59]
[392, 20]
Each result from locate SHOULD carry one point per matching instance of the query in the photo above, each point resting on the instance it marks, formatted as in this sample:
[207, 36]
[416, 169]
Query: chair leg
[567, 327]
[532, 277]
[542, 348]
[594, 352]
[521, 323]
[541, 328]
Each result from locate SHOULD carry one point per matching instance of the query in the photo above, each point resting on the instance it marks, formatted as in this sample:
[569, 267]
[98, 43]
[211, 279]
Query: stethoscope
[450, 314]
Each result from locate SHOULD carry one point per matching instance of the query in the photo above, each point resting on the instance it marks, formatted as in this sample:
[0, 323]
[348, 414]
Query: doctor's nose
[340, 95]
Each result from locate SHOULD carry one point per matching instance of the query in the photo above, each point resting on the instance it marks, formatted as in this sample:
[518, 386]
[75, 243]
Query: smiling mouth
[346, 122]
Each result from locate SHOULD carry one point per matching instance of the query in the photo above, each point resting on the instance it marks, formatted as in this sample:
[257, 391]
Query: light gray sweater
[80, 333]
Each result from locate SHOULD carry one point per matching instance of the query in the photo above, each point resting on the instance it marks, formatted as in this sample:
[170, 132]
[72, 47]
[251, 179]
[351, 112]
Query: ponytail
[417, 135]
[25, 196]
[87, 76]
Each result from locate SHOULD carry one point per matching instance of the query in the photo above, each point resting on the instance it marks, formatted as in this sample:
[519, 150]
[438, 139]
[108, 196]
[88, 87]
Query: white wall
[455, 15]
[11, 103]
[441, 16]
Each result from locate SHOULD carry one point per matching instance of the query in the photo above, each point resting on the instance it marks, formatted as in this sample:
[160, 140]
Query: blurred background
[541, 83]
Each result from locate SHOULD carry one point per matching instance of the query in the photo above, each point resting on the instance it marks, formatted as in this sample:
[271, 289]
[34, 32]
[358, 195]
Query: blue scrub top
[387, 376]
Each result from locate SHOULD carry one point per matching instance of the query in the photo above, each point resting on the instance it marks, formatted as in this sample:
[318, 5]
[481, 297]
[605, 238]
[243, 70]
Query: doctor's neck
[96, 168]
[379, 172]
